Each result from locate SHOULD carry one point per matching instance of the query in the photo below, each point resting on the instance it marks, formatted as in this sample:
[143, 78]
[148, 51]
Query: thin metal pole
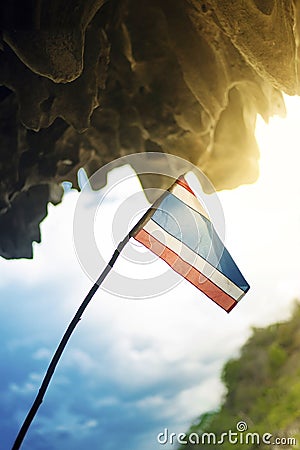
[56, 357]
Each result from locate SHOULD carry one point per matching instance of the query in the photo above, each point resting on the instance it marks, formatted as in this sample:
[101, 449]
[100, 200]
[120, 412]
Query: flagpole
[56, 357]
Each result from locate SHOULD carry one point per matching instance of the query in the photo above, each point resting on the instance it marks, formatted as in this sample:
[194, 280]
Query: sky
[135, 367]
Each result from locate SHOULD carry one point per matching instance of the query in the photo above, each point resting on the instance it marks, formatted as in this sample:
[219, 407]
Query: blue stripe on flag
[197, 233]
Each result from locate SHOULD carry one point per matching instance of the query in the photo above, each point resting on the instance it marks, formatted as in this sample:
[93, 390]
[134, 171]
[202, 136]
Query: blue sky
[133, 368]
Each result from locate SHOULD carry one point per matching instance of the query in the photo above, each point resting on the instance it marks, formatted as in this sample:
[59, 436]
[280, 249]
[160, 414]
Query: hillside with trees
[263, 394]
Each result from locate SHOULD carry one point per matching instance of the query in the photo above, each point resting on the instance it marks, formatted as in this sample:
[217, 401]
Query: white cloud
[55, 259]
[27, 387]
[42, 353]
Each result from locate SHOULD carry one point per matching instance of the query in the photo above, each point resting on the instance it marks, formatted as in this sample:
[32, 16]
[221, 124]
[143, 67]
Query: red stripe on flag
[181, 180]
[186, 270]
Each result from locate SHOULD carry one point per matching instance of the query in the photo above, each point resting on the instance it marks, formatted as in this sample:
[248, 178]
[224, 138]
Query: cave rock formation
[83, 82]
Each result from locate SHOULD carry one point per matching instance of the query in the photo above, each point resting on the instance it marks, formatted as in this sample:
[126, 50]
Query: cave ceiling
[83, 82]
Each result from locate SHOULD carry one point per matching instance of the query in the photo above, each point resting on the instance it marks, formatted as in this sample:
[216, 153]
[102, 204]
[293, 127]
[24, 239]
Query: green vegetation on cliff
[263, 390]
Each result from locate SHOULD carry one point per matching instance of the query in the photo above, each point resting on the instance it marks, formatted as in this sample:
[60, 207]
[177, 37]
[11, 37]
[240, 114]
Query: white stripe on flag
[194, 260]
[189, 199]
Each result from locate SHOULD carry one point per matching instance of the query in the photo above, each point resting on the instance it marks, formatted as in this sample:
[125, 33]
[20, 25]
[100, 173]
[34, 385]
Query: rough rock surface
[83, 82]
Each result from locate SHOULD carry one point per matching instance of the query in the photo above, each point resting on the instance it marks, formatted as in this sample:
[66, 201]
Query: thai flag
[178, 230]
